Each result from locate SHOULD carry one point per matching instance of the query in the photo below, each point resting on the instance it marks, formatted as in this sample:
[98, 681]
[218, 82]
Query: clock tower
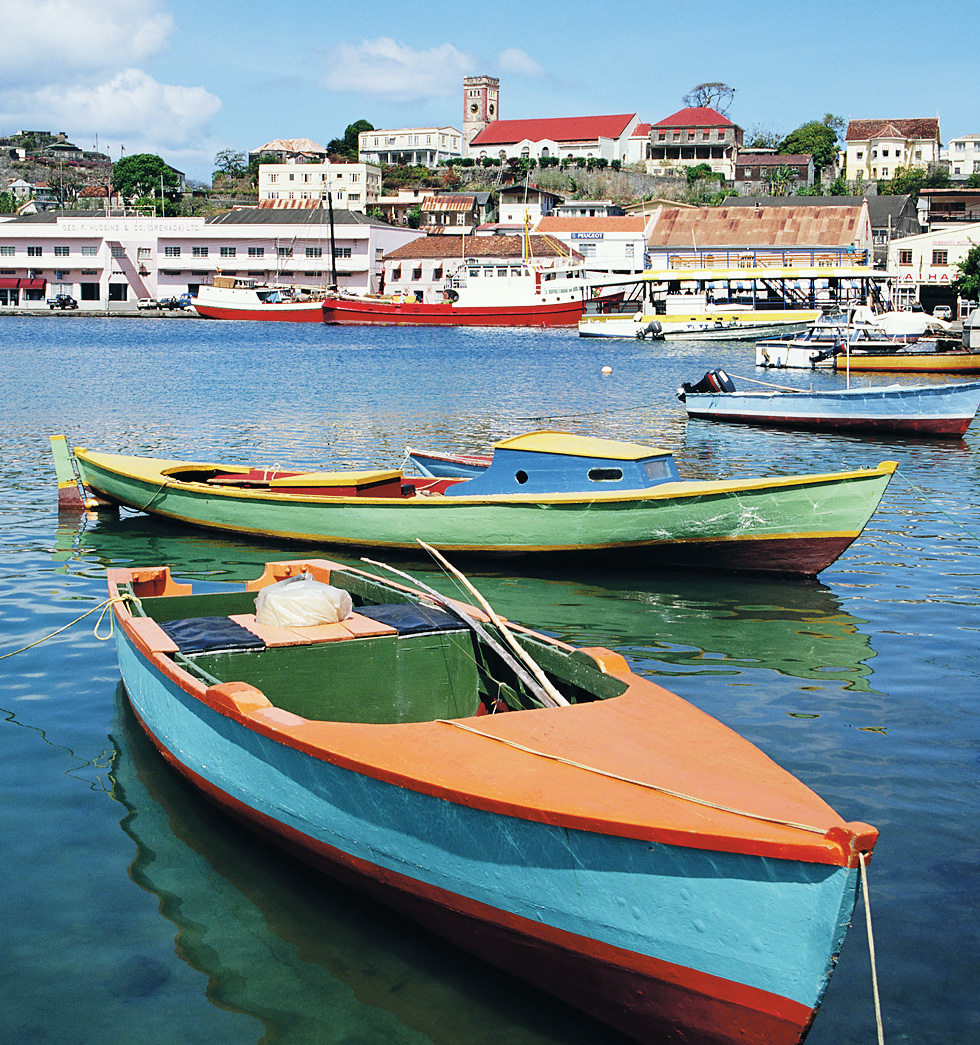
[480, 106]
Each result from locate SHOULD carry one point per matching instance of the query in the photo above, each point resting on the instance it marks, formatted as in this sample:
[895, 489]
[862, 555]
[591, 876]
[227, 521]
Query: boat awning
[31, 284]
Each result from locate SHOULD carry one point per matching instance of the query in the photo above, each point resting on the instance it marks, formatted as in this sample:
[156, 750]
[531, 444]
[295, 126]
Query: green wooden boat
[546, 494]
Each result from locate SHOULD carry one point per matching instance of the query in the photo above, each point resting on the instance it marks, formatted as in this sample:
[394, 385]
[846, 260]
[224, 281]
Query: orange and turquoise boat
[545, 494]
[573, 823]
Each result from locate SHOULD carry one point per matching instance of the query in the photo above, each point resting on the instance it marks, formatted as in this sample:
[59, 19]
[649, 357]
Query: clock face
[490, 109]
[474, 107]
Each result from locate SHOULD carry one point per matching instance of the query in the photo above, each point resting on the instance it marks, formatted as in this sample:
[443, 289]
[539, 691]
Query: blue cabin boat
[548, 462]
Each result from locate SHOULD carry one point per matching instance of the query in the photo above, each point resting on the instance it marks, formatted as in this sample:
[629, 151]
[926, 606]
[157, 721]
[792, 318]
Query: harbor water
[133, 911]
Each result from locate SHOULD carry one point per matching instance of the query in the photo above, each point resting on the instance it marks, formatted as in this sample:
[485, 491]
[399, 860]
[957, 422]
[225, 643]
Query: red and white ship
[501, 292]
[228, 297]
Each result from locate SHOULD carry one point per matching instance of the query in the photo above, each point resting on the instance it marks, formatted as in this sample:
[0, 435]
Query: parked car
[144, 303]
[180, 301]
[62, 301]
[942, 312]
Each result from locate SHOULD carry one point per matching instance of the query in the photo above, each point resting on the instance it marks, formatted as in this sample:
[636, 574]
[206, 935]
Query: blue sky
[186, 78]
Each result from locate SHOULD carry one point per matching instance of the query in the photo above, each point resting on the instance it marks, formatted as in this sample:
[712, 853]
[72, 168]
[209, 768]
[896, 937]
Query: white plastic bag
[301, 601]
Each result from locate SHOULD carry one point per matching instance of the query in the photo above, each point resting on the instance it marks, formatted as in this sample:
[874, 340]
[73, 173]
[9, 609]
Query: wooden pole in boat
[532, 665]
[544, 696]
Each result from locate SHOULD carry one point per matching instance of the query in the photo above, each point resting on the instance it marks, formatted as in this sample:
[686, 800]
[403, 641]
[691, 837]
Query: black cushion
[409, 618]
[210, 635]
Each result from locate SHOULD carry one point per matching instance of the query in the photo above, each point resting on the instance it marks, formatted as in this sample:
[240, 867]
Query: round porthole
[521, 477]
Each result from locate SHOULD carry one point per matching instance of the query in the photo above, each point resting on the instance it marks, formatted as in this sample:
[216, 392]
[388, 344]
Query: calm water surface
[133, 912]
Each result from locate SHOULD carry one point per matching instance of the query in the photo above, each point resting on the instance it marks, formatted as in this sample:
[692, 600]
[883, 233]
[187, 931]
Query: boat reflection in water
[667, 623]
[304, 956]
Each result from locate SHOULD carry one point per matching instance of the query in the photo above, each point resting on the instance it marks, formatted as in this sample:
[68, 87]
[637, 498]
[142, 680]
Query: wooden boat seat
[356, 626]
[374, 482]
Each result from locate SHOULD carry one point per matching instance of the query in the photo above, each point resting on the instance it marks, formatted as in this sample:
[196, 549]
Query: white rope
[871, 949]
[630, 780]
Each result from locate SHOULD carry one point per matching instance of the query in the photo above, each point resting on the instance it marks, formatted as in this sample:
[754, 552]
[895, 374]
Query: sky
[188, 78]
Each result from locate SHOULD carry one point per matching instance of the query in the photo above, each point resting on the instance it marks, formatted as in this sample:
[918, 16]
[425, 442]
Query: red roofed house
[875, 148]
[692, 136]
[568, 137]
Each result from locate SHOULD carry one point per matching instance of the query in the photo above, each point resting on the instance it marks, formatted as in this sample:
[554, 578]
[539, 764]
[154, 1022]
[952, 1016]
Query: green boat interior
[425, 664]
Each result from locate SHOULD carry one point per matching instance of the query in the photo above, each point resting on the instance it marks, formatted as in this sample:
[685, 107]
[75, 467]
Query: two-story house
[416, 146]
[963, 156]
[351, 186]
[692, 136]
[875, 149]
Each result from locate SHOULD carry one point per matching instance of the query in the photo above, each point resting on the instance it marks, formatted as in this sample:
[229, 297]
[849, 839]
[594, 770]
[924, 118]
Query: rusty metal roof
[711, 228]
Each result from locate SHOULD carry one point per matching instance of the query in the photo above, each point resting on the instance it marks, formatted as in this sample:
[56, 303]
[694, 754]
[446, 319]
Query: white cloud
[514, 60]
[45, 40]
[388, 69]
[131, 106]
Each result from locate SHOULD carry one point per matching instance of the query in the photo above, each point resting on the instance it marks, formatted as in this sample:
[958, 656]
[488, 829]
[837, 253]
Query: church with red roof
[619, 137]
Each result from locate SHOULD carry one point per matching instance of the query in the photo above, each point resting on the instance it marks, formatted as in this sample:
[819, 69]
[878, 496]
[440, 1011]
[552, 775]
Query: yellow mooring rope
[103, 606]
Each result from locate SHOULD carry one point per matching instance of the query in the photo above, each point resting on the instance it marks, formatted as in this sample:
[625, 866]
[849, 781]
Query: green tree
[230, 164]
[813, 138]
[8, 203]
[701, 170]
[967, 284]
[252, 171]
[973, 182]
[414, 217]
[346, 147]
[913, 180]
[142, 175]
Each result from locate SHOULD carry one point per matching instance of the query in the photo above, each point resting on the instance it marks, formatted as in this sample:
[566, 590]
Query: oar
[537, 691]
[504, 630]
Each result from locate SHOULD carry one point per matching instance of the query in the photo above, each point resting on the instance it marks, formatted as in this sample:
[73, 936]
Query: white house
[874, 149]
[608, 244]
[108, 263]
[598, 137]
[520, 203]
[352, 186]
[416, 146]
[963, 156]
[922, 268]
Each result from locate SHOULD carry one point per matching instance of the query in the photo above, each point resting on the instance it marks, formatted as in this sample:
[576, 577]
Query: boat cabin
[557, 462]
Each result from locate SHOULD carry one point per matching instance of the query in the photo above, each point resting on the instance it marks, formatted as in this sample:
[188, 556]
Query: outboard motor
[713, 381]
[654, 329]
